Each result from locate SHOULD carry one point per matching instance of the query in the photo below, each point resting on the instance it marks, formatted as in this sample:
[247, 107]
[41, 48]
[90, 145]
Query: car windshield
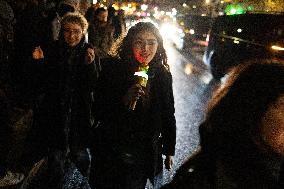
[258, 28]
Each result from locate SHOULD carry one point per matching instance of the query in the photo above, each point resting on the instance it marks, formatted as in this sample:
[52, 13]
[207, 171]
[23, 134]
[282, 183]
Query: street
[192, 87]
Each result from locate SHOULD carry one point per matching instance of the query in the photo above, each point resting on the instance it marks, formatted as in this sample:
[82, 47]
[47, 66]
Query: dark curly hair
[234, 117]
[125, 51]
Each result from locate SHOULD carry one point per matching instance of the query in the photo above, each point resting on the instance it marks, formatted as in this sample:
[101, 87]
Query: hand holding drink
[136, 90]
[141, 79]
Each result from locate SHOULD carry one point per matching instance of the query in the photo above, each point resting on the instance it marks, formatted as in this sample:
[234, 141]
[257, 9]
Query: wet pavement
[192, 87]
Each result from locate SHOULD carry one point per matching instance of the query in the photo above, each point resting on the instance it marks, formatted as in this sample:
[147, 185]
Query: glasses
[141, 43]
[70, 31]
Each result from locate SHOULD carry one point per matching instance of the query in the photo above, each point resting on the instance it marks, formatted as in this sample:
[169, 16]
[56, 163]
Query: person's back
[241, 138]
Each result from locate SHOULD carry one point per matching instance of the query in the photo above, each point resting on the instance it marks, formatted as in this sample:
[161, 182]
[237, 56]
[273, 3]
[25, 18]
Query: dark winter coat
[67, 84]
[135, 137]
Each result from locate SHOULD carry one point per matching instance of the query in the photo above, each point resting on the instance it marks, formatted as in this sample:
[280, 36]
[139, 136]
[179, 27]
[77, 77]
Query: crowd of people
[102, 107]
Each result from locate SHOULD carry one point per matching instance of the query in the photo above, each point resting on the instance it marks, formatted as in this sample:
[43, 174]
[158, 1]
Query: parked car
[236, 38]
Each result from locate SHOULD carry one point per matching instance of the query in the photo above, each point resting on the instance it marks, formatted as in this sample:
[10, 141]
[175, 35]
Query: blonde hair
[75, 17]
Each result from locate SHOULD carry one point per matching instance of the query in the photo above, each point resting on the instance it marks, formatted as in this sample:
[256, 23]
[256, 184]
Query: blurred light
[250, 8]
[168, 13]
[188, 69]
[239, 30]
[174, 11]
[203, 14]
[206, 78]
[126, 9]
[155, 8]
[144, 7]
[191, 31]
[184, 5]
[221, 13]
[207, 37]
[207, 1]
[156, 15]
[236, 41]
[148, 14]
[277, 48]
[194, 6]
[115, 7]
[162, 12]
[95, 1]
[234, 9]
[172, 33]
[143, 14]
[138, 14]
[222, 2]
[129, 5]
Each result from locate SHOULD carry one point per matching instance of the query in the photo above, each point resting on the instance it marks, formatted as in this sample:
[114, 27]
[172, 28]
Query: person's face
[73, 33]
[102, 17]
[273, 126]
[144, 47]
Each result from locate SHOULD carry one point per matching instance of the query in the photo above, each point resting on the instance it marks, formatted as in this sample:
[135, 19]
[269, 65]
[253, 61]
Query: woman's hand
[133, 94]
[169, 161]
[37, 53]
[90, 55]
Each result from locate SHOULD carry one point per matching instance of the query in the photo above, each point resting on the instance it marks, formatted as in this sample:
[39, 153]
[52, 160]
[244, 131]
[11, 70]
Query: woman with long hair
[136, 122]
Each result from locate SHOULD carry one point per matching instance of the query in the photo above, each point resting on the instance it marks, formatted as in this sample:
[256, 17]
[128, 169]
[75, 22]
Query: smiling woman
[133, 138]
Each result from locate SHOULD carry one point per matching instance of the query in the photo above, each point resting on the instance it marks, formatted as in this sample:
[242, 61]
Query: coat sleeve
[168, 117]
[92, 72]
[108, 92]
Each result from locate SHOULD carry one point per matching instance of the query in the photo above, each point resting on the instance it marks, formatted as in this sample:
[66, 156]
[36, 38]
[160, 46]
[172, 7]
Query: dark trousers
[109, 172]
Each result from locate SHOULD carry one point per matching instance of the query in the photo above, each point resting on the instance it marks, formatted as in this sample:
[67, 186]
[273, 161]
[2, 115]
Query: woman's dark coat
[67, 84]
[136, 137]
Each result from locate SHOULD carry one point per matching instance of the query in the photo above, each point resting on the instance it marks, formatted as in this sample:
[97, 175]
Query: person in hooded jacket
[131, 140]
[64, 119]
